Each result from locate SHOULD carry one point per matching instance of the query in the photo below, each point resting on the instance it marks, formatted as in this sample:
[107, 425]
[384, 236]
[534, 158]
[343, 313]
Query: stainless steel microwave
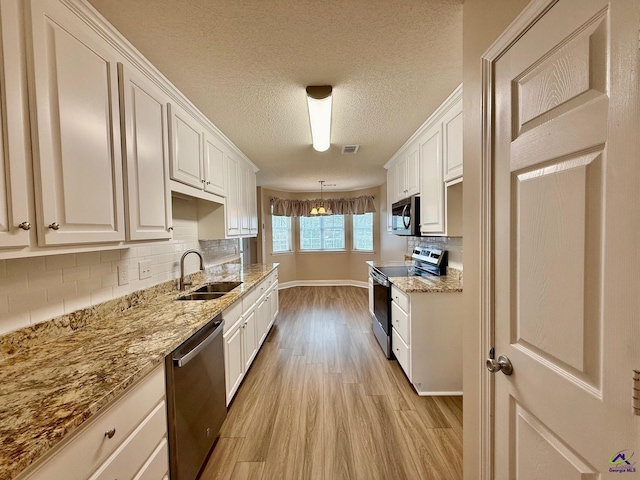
[405, 217]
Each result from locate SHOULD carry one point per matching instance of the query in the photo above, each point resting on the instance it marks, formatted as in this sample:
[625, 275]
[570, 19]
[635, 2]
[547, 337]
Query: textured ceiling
[245, 64]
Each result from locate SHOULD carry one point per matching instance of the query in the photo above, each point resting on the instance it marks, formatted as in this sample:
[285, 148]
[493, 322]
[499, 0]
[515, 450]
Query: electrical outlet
[144, 269]
[123, 274]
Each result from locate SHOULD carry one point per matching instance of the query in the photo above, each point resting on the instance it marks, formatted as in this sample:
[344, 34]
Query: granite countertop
[449, 283]
[56, 375]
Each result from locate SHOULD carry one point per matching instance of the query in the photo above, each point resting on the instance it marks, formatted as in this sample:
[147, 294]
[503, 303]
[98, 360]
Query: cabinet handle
[110, 433]
[208, 183]
[25, 226]
[203, 180]
[170, 229]
[54, 226]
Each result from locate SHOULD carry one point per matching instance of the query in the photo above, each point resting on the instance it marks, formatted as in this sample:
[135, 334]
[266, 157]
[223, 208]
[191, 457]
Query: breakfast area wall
[36, 289]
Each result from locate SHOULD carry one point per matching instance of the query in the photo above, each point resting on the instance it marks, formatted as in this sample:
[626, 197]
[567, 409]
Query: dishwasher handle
[181, 359]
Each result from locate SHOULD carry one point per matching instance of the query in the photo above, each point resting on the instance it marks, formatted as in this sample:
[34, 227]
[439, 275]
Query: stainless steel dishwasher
[196, 404]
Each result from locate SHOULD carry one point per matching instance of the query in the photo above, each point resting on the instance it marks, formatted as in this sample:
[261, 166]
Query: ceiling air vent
[350, 149]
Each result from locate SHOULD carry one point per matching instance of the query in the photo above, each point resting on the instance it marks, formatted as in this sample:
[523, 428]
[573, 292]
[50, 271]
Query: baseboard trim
[440, 394]
[323, 283]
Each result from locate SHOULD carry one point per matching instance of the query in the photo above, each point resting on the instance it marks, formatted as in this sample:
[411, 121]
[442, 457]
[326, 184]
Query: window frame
[353, 234]
[290, 235]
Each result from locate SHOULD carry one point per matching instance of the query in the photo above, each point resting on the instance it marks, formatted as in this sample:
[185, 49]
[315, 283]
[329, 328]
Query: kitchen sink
[218, 287]
[210, 291]
[201, 296]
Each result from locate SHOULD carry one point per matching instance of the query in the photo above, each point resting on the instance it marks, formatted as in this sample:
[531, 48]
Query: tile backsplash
[36, 289]
[453, 246]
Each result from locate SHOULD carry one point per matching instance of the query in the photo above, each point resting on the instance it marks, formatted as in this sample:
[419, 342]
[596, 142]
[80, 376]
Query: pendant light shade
[319, 105]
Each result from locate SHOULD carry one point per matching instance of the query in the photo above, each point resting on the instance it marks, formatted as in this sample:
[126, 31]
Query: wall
[36, 289]
[483, 22]
[329, 267]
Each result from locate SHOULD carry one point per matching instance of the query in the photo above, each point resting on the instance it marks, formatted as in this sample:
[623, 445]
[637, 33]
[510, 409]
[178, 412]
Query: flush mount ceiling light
[319, 104]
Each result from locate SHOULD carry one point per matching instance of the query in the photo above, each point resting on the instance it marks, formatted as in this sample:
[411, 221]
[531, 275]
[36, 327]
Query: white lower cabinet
[426, 338]
[249, 336]
[247, 323]
[128, 440]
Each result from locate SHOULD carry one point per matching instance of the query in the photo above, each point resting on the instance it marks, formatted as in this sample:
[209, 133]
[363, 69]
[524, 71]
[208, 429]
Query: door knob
[54, 226]
[502, 364]
[25, 226]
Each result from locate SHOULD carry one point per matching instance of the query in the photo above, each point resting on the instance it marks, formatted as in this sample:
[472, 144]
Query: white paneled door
[565, 232]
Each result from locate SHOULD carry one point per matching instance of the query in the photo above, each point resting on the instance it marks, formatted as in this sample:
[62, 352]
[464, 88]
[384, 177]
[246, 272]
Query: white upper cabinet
[405, 174]
[15, 217]
[75, 128]
[408, 173]
[249, 214]
[235, 182]
[187, 136]
[197, 155]
[432, 198]
[452, 142]
[214, 166]
[431, 157]
[146, 164]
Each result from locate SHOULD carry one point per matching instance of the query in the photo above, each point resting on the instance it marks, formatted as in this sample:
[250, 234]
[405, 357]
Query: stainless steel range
[425, 262]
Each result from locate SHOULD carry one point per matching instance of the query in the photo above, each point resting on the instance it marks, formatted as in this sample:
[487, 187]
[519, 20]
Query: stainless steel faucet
[183, 284]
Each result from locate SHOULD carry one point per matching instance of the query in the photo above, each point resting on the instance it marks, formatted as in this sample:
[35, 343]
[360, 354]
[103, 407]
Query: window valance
[285, 207]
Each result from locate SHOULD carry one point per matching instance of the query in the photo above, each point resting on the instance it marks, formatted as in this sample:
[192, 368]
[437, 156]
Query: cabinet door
[250, 340]
[452, 142]
[412, 172]
[391, 194]
[263, 312]
[76, 131]
[233, 360]
[245, 193]
[432, 198]
[146, 164]
[401, 180]
[14, 189]
[274, 303]
[214, 167]
[232, 210]
[186, 147]
[252, 203]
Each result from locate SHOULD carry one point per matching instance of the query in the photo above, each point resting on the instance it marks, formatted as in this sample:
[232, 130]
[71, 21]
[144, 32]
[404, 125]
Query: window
[363, 232]
[322, 233]
[281, 234]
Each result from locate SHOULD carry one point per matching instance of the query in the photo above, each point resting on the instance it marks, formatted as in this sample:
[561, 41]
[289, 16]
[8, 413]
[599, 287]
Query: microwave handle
[404, 221]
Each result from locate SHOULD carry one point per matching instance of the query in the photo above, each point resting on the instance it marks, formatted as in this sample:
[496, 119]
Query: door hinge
[636, 392]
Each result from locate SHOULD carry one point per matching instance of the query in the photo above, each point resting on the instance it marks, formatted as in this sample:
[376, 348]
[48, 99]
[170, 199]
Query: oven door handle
[182, 359]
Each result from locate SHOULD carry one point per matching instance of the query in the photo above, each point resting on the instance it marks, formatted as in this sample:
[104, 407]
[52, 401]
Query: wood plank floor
[322, 402]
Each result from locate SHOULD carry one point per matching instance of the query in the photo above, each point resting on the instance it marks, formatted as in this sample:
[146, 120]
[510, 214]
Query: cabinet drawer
[231, 315]
[158, 464]
[90, 447]
[131, 456]
[401, 351]
[249, 299]
[400, 322]
[400, 298]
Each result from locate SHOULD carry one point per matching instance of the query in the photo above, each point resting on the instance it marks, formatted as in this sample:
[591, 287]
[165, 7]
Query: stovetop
[398, 271]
